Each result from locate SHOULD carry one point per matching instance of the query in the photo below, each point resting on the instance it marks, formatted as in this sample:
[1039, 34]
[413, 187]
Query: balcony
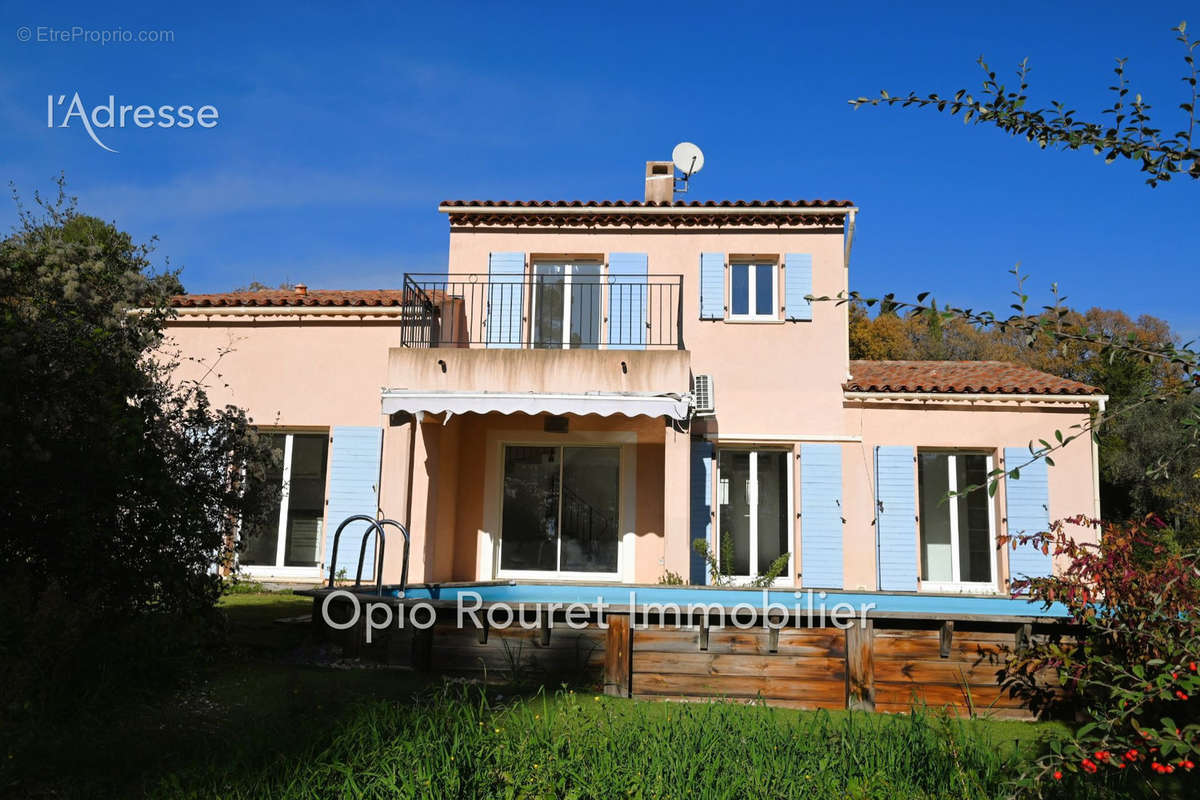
[545, 312]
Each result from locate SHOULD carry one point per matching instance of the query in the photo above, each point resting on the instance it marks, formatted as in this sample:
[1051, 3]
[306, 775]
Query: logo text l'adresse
[112, 115]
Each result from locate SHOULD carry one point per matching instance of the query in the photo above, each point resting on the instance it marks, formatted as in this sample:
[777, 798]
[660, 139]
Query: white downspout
[1096, 460]
[849, 236]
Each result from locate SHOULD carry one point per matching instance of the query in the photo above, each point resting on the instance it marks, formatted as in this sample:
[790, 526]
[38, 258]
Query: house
[591, 386]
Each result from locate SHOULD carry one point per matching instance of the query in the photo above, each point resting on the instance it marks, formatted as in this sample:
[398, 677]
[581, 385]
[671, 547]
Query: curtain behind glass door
[933, 477]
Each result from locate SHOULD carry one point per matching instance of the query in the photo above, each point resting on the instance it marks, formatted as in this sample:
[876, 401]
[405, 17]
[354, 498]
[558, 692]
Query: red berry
[1058, 775]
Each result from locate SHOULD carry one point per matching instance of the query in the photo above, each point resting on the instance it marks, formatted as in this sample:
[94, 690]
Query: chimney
[301, 290]
[660, 182]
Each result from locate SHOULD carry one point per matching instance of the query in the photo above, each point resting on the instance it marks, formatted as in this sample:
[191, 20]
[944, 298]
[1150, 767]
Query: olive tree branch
[1130, 134]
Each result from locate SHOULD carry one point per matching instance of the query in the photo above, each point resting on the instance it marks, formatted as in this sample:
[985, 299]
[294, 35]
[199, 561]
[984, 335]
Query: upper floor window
[752, 288]
[957, 530]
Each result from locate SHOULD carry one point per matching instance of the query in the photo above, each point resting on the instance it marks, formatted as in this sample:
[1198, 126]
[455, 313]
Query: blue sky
[341, 127]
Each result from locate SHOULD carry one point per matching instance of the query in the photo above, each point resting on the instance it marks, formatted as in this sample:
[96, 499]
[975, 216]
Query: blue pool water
[683, 596]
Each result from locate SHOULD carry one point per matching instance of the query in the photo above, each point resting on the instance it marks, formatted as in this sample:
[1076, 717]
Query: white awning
[605, 404]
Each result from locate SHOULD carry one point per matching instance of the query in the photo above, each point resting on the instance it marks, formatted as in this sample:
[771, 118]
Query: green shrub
[120, 484]
[1131, 669]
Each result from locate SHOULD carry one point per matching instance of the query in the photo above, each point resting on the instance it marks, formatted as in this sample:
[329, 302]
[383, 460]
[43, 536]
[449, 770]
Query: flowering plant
[1129, 666]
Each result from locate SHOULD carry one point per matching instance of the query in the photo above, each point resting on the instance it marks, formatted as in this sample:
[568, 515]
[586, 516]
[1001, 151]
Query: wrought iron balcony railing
[551, 311]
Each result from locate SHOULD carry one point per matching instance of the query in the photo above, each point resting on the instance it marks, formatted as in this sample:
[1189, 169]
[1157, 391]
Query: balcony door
[754, 511]
[567, 305]
[560, 511]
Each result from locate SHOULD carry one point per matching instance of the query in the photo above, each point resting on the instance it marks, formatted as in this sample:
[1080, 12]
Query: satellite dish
[688, 158]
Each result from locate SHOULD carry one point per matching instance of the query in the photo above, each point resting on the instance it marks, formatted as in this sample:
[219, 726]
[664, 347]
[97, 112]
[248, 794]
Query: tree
[1129, 134]
[121, 487]
[259, 286]
[1149, 458]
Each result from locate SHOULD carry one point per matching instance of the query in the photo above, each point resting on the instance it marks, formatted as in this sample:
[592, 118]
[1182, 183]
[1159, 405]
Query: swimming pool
[879, 603]
[697, 642]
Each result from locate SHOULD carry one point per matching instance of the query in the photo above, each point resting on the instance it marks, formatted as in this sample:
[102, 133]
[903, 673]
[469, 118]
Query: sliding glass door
[561, 510]
[754, 502]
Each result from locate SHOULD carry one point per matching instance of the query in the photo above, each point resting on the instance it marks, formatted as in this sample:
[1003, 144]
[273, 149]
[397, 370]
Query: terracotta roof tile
[283, 298]
[958, 377]
[639, 204]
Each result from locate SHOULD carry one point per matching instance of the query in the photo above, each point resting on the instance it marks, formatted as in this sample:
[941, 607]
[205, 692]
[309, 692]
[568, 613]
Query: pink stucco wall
[787, 372]
[977, 426]
[456, 491]
[301, 372]
[777, 384]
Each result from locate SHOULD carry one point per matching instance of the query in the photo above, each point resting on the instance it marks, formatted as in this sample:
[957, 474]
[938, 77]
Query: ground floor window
[560, 509]
[754, 510]
[957, 532]
[291, 537]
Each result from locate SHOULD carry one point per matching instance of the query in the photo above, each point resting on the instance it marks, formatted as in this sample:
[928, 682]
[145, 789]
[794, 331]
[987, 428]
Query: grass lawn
[275, 717]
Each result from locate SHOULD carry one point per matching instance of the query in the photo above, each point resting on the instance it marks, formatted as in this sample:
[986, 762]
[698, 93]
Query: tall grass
[457, 743]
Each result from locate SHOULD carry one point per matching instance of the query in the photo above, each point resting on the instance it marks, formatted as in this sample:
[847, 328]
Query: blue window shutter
[353, 489]
[896, 518]
[506, 300]
[627, 301]
[797, 285]
[1028, 511]
[821, 515]
[702, 504]
[712, 286]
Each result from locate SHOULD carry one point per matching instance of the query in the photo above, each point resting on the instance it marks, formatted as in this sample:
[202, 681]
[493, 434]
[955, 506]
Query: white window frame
[557, 574]
[955, 585]
[566, 319]
[751, 286]
[278, 569]
[785, 577]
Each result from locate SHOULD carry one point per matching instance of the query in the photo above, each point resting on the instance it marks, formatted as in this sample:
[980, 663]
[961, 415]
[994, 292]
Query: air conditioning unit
[702, 394]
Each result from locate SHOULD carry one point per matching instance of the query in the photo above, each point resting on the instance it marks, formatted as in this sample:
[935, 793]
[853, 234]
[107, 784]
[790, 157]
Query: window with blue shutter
[506, 300]
[627, 301]
[821, 516]
[701, 506]
[353, 489]
[712, 286]
[797, 286]
[896, 518]
[1028, 511]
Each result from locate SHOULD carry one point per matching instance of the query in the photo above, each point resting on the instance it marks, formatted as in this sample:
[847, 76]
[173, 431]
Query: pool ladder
[377, 525]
